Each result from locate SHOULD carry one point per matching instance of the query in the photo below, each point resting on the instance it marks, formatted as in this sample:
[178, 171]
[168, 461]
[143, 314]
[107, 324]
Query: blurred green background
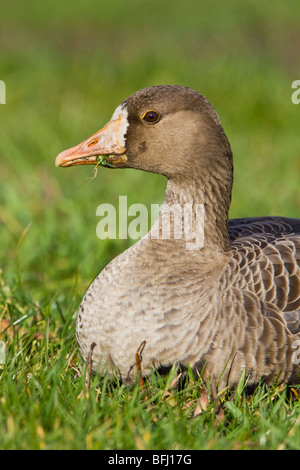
[68, 65]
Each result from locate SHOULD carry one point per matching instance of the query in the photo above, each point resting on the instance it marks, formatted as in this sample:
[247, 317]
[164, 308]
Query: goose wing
[267, 250]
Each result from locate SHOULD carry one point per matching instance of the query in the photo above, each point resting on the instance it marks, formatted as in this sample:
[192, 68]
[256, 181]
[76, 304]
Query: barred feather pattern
[267, 251]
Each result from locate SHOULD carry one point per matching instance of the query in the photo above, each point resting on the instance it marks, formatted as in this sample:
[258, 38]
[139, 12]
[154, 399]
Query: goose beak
[106, 142]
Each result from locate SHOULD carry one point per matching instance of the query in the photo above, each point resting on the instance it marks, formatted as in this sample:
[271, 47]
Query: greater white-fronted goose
[229, 305]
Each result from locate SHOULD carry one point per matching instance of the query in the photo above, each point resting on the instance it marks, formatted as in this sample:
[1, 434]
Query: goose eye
[152, 117]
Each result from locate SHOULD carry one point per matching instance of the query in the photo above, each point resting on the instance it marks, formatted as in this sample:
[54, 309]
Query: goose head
[168, 129]
[173, 131]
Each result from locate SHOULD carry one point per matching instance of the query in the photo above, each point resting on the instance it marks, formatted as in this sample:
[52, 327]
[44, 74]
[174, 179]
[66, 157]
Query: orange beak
[107, 141]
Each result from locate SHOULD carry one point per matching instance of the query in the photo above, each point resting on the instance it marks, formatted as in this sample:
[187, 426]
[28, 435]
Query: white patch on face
[121, 113]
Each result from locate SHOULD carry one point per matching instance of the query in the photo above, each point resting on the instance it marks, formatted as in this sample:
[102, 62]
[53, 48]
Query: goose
[226, 306]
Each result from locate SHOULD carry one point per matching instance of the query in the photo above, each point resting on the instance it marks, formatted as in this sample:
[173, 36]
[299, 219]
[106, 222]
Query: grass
[66, 69]
[45, 403]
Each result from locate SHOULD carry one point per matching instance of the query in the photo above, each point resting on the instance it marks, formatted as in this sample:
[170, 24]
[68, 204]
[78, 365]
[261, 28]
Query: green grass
[66, 68]
[45, 402]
